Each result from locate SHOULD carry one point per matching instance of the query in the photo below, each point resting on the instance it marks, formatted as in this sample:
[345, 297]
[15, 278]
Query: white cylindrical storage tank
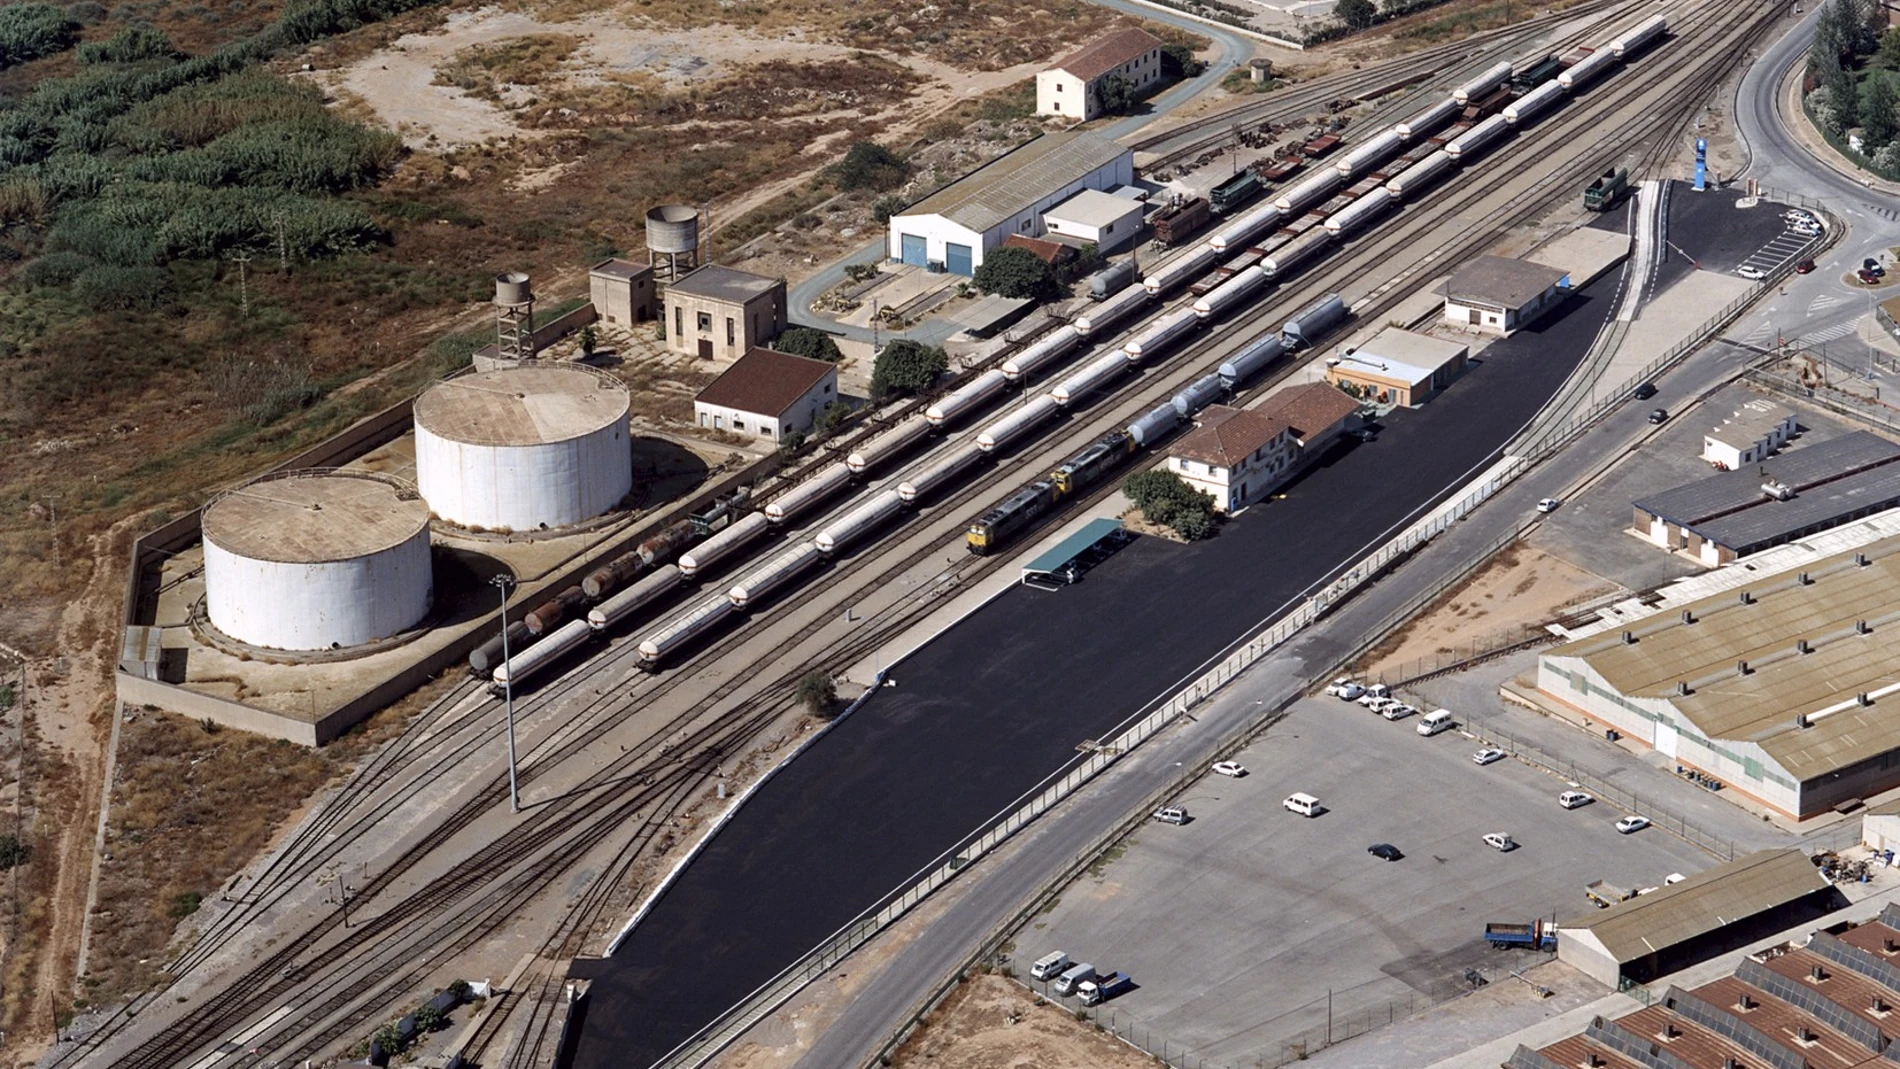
[317, 559]
[808, 493]
[1182, 271]
[1242, 231]
[683, 628]
[1419, 175]
[1474, 140]
[1016, 423]
[1105, 315]
[524, 448]
[1258, 354]
[1232, 292]
[1198, 394]
[1315, 320]
[926, 482]
[1292, 256]
[1382, 147]
[1054, 344]
[967, 396]
[1533, 103]
[1148, 429]
[1634, 40]
[1091, 378]
[1310, 192]
[775, 573]
[1355, 215]
[1497, 75]
[634, 598]
[886, 445]
[1587, 68]
[740, 534]
[859, 521]
[1427, 122]
[532, 661]
[1161, 335]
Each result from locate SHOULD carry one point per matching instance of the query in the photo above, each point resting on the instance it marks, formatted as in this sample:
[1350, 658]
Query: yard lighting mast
[505, 583]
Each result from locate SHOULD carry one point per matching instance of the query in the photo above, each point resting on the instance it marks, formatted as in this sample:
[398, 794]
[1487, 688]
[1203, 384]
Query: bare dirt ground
[993, 1023]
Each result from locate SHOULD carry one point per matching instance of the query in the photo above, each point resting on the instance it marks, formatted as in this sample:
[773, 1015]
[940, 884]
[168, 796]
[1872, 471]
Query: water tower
[514, 317]
[672, 240]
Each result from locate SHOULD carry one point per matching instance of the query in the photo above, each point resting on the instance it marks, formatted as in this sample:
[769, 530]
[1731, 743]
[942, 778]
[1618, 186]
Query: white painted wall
[525, 487]
[314, 606]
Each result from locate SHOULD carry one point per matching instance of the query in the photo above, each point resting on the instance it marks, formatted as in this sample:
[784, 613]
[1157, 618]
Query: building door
[1667, 738]
[915, 249]
[956, 260]
[705, 349]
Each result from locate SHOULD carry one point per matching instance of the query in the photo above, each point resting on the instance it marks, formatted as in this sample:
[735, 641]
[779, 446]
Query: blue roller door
[913, 246]
[956, 260]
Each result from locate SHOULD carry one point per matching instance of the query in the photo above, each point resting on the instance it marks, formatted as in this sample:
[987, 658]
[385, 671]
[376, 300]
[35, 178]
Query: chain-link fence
[1461, 655]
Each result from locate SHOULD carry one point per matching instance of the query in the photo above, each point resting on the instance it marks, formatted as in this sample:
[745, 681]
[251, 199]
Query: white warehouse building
[524, 449]
[954, 227]
[317, 559]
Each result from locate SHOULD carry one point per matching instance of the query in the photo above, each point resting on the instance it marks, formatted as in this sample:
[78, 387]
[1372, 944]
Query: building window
[731, 333]
[705, 322]
[738, 424]
[1058, 87]
[679, 322]
[1058, 104]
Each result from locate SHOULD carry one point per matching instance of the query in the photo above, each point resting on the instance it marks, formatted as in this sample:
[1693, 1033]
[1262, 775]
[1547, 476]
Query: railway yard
[701, 871]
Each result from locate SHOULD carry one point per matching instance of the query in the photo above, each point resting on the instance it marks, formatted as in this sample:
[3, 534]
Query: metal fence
[1461, 655]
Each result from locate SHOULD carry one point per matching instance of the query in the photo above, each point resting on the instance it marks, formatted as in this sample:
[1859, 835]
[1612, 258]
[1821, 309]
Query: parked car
[1375, 693]
[1751, 272]
[1867, 278]
[1230, 768]
[1632, 824]
[1364, 434]
[1384, 851]
[1873, 267]
[1658, 415]
[1398, 711]
[1574, 799]
[1338, 688]
[1804, 267]
[1644, 391]
[1304, 804]
[1548, 504]
[1171, 814]
[1487, 755]
[1500, 841]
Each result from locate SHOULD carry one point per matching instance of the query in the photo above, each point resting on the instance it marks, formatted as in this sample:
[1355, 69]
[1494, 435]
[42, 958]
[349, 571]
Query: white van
[1434, 722]
[1304, 804]
[1067, 982]
[1049, 965]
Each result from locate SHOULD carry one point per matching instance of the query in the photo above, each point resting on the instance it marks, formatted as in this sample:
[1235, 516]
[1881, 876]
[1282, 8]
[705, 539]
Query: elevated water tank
[672, 240]
[525, 448]
[318, 559]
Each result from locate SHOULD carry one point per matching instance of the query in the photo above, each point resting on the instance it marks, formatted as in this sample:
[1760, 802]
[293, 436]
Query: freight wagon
[1017, 511]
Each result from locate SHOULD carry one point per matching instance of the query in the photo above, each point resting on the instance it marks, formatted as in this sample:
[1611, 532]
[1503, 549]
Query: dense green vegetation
[905, 366]
[1166, 498]
[34, 31]
[1852, 70]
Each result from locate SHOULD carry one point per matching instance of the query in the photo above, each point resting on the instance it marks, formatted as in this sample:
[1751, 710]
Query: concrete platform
[1585, 253]
[1667, 320]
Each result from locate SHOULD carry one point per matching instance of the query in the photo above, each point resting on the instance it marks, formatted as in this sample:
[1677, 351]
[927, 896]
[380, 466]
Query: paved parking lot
[1237, 924]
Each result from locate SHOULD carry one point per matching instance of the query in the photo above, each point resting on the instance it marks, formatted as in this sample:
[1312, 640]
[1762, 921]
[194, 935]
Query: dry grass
[483, 70]
[50, 801]
[762, 93]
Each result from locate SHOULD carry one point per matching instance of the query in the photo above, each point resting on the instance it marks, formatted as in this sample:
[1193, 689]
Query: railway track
[502, 875]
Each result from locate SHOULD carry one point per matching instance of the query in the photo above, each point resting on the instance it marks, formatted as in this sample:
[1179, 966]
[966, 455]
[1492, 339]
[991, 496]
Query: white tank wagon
[1533, 103]
[1296, 253]
[859, 522]
[928, 481]
[1315, 320]
[1478, 138]
[1310, 192]
[1199, 394]
[1378, 149]
[536, 659]
[1056, 343]
[1097, 374]
[1359, 212]
[317, 560]
[1242, 231]
[789, 504]
[1161, 335]
[1420, 175]
[966, 397]
[1427, 122]
[1182, 271]
[890, 443]
[742, 533]
[1586, 69]
[634, 598]
[1231, 292]
[1148, 429]
[774, 574]
[524, 448]
[1635, 40]
[685, 627]
[1496, 75]
[1250, 361]
[1016, 423]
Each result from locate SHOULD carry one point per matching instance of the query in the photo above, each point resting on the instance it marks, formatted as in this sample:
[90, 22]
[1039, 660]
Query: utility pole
[504, 583]
[52, 510]
[283, 241]
[243, 260]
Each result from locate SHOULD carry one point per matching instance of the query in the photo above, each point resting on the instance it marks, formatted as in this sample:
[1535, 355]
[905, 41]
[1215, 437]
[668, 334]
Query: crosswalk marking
[1838, 330]
[1824, 302]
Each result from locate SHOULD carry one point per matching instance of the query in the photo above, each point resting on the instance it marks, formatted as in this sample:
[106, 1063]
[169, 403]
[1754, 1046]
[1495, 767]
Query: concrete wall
[133, 690]
[624, 302]
[1065, 96]
[731, 328]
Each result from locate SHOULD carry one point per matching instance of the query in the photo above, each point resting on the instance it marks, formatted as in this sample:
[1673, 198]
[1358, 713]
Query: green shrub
[105, 287]
[808, 341]
[1166, 499]
[906, 366]
[13, 852]
[32, 31]
[869, 165]
[130, 45]
[185, 904]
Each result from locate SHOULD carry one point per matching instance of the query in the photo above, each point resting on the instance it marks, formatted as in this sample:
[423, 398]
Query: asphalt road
[985, 713]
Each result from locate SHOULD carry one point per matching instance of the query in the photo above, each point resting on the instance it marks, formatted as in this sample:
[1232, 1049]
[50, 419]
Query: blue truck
[1537, 935]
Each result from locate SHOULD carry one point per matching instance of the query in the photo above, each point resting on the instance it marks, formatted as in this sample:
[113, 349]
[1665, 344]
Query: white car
[1632, 824]
[1500, 841]
[1487, 755]
[1574, 799]
[1379, 705]
[1398, 711]
[1751, 272]
[1349, 691]
[1333, 688]
[1172, 814]
[1230, 768]
[1375, 692]
[1548, 504]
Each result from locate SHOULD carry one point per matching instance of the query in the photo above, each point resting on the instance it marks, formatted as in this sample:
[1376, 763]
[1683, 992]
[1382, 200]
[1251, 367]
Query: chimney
[1861, 628]
[1801, 646]
[1731, 1063]
[1863, 700]
[1741, 668]
[1591, 1061]
[1815, 972]
[1747, 598]
[1802, 578]
[1888, 945]
[1742, 1001]
[1860, 560]
[1688, 617]
[1803, 1034]
[1629, 639]
[1801, 721]
[1682, 688]
[1879, 1004]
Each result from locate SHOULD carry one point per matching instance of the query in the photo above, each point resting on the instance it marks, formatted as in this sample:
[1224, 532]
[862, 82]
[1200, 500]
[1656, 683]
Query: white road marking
[1824, 302]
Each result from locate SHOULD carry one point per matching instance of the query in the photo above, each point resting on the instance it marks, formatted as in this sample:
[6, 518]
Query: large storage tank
[315, 560]
[523, 449]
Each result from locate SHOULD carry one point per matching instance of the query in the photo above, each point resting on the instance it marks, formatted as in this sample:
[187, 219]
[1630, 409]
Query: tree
[589, 339]
[1844, 95]
[1887, 57]
[429, 1019]
[832, 415]
[886, 206]
[817, 692]
[13, 852]
[1877, 120]
[808, 341]
[1013, 272]
[906, 366]
[1357, 14]
[1166, 499]
[1114, 94]
[1179, 61]
[869, 165]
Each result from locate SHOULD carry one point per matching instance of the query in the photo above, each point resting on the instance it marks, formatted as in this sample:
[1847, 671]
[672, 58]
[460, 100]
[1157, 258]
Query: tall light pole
[505, 583]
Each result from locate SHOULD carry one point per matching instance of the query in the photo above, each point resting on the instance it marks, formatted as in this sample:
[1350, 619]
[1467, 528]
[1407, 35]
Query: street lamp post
[505, 583]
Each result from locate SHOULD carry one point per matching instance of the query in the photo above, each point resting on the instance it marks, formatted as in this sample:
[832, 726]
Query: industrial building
[622, 292]
[1071, 88]
[1752, 433]
[953, 228]
[1668, 929]
[1398, 367]
[1737, 513]
[1780, 688]
[1499, 295]
[719, 313]
[523, 449]
[768, 394]
[1234, 455]
[316, 560]
[1104, 220]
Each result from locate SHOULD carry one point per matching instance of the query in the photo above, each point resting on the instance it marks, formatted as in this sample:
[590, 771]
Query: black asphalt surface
[995, 706]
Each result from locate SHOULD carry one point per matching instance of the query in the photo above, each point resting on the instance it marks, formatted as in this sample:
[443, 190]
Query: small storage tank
[317, 559]
[524, 448]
